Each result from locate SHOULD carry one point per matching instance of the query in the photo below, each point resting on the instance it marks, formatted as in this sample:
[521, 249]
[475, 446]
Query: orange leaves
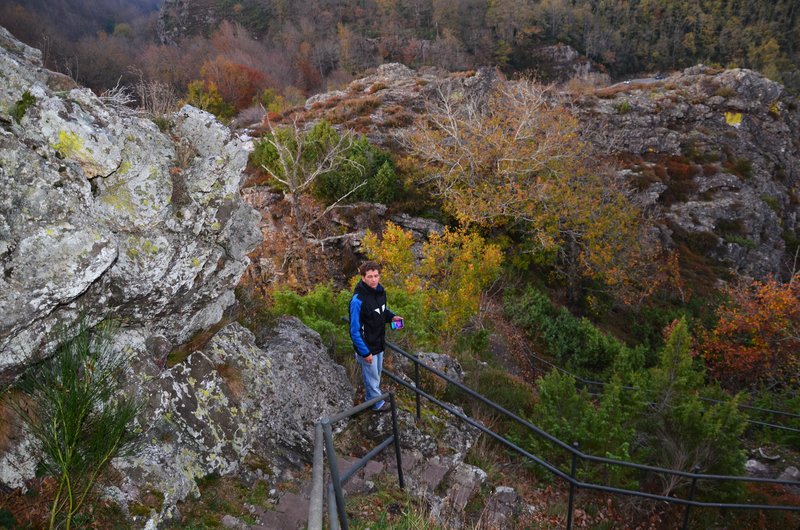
[757, 338]
[237, 84]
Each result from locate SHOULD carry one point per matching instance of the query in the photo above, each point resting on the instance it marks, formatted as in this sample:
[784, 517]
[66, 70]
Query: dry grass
[376, 87]
[620, 88]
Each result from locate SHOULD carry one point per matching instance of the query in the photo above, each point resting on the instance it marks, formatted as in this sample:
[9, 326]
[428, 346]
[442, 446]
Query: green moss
[195, 263]
[772, 202]
[21, 107]
[124, 167]
[739, 240]
[119, 197]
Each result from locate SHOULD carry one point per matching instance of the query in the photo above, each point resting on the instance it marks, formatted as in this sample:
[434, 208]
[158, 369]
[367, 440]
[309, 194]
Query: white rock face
[103, 214]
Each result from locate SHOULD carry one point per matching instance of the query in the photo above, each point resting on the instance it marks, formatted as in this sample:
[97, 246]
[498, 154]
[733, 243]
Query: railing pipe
[567, 447]
[315, 503]
[691, 498]
[587, 382]
[610, 489]
[355, 410]
[416, 382]
[334, 467]
[333, 518]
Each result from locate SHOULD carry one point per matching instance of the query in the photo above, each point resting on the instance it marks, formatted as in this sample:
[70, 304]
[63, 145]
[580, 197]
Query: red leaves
[757, 337]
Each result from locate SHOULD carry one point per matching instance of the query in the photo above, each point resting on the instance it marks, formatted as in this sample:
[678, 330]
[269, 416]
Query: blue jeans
[371, 375]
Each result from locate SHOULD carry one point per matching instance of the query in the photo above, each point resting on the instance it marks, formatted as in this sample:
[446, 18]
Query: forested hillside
[313, 45]
[624, 36]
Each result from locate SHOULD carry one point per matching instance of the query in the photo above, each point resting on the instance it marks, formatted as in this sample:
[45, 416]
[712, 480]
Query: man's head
[370, 273]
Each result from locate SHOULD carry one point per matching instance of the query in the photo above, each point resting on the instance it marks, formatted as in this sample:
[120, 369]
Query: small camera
[397, 324]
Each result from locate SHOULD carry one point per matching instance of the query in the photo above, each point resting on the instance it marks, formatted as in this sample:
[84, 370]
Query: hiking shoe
[383, 408]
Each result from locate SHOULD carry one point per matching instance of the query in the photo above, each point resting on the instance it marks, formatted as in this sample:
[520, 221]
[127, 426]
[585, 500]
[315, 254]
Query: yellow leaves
[455, 269]
[516, 158]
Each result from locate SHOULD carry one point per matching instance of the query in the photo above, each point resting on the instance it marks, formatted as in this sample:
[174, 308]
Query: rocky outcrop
[103, 215]
[235, 399]
[717, 152]
[713, 154]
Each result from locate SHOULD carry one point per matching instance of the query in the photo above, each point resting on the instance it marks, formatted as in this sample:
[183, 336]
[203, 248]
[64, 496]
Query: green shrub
[370, 168]
[623, 107]
[575, 343]
[682, 432]
[206, 96]
[74, 408]
[601, 428]
[506, 390]
[787, 400]
[321, 309]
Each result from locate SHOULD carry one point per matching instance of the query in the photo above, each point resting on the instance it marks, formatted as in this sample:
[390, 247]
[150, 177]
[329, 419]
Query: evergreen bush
[73, 407]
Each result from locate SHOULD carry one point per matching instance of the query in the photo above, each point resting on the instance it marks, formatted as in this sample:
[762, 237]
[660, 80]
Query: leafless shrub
[249, 116]
[155, 97]
[118, 96]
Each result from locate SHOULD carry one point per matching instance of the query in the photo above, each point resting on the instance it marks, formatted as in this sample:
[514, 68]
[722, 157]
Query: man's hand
[368, 359]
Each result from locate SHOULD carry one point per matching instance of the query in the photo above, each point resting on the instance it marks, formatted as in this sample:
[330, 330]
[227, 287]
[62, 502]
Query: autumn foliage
[455, 270]
[757, 337]
[515, 159]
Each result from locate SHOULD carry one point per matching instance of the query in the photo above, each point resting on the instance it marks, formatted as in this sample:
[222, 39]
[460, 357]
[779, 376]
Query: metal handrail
[323, 433]
[576, 453]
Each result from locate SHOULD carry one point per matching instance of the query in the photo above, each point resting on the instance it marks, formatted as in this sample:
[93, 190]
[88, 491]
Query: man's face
[372, 278]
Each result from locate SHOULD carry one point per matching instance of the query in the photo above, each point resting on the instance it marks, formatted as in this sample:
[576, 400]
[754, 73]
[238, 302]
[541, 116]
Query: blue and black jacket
[368, 318]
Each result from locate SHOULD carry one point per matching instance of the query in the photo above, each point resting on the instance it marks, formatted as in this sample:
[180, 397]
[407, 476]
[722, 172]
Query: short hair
[369, 266]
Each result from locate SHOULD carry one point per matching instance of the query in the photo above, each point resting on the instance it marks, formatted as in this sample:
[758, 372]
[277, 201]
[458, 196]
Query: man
[368, 318]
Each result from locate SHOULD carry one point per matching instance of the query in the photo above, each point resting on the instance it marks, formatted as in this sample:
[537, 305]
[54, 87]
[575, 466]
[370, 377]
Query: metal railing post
[691, 498]
[337, 485]
[572, 485]
[396, 433]
[416, 384]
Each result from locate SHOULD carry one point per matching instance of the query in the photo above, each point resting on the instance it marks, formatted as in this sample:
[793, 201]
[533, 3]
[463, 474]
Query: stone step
[291, 513]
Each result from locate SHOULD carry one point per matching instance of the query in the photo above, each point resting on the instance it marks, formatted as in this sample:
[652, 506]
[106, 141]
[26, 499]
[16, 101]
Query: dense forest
[317, 45]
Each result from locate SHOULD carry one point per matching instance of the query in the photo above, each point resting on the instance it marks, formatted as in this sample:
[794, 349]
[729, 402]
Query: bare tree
[296, 157]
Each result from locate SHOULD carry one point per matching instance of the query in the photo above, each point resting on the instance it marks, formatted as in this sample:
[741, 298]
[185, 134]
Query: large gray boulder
[102, 214]
[232, 400]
